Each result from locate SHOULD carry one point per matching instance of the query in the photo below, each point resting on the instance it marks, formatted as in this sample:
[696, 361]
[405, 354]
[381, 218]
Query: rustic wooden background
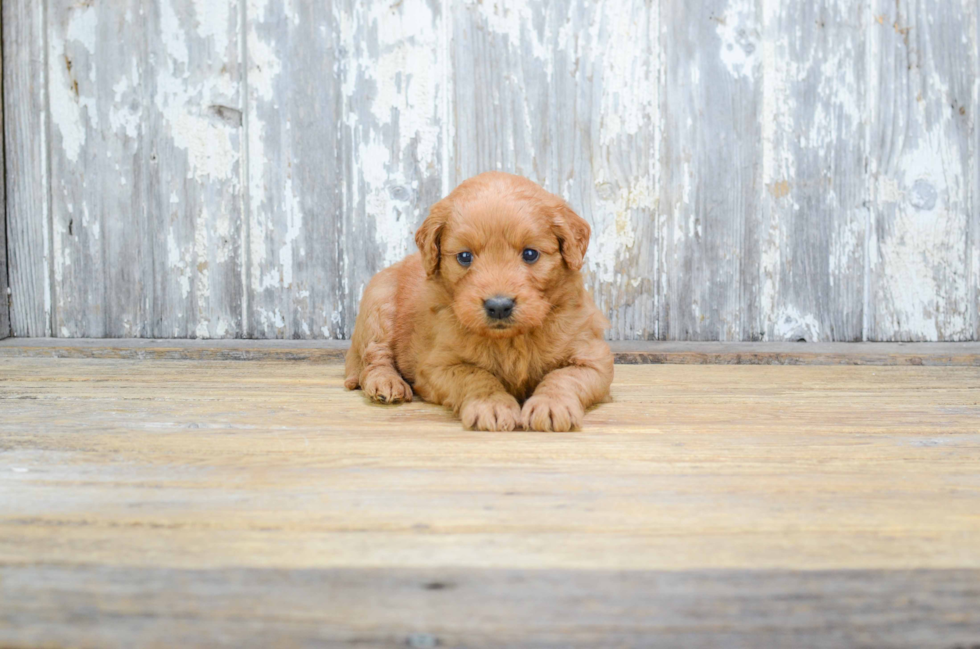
[4, 305]
[752, 169]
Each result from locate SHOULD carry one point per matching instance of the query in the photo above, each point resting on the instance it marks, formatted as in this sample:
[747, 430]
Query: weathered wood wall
[4, 302]
[752, 169]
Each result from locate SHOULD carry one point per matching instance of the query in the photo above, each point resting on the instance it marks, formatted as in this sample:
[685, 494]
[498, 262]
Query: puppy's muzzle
[499, 307]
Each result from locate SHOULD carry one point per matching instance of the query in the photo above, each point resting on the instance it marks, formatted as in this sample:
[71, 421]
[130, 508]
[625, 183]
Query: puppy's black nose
[499, 307]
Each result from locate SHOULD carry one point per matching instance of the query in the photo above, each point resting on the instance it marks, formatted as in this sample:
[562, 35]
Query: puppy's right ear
[429, 235]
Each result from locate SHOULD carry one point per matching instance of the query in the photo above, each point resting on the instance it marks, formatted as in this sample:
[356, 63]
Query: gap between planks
[627, 353]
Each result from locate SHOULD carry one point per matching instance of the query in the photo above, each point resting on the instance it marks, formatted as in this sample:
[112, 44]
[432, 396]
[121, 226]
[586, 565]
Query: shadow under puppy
[491, 314]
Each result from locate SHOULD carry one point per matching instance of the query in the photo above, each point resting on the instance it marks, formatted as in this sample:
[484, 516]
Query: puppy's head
[504, 249]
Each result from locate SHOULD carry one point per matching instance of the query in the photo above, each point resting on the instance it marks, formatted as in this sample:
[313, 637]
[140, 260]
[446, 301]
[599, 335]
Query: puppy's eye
[464, 258]
[530, 255]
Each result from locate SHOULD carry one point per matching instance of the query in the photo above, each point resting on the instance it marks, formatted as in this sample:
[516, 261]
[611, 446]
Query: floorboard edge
[627, 353]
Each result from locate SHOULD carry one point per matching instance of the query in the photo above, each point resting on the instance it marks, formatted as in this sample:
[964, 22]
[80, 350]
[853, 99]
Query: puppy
[491, 318]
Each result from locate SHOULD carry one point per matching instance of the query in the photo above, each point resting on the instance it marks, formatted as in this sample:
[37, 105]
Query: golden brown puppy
[492, 313]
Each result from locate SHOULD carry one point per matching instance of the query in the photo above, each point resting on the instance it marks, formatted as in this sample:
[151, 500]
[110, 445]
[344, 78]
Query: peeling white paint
[791, 325]
[394, 66]
[779, 72]
[274, 319]
[225, 329]
[178, 265]
[614, 211]
[202, 274]
[738, 32]
[922, 254]
[393, 228]
[183, 101]
[214, 22]
[514, 19]
[83, 26]
[400, 72]
[630, 93]
[264, 66]
[65, 93]
[294, 224]
[126, 116]
[172, 34]
[202, 331]
[889, 191]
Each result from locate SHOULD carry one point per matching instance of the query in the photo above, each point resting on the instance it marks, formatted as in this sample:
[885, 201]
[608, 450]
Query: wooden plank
[566, 93]
[503, 62]
[923, 66]
[319, 351]
[625, 352]
[144, 169]
[975, 174]
[192, 172]
[396, 136]
[148, 501]
[296, 171]
[25, 149]
[4, 285]
[718, 151]
[690, 467]
[712, 166]
[813, 170]
[872, 354]
[347, 152]
[457, 607]
[97, 199]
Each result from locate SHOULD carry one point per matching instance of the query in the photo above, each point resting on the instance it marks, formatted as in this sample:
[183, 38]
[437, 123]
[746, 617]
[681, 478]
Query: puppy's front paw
[386, 386]
[552, 414]
[496, 412]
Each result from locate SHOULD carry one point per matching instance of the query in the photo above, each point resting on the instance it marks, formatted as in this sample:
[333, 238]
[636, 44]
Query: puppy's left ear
[429, 235]
[573, 235]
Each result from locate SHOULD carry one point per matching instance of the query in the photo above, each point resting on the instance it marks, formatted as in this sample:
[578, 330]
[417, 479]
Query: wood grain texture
[458, 607]
[26, 167]
[975, 174]
[4, 300]
[925, 67]
[144, 169]
[752, 170]
[566, 93]
[395, 128]
[193, 170]
[712, 167]
[814, 181]
[346, 147]
[296, 170]
[625, 352]
[723, 506]
[96, 195]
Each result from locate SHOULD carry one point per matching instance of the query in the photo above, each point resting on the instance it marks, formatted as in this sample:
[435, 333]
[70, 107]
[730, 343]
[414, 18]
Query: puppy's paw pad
[550, 414]
[386, 387]
[497, 413]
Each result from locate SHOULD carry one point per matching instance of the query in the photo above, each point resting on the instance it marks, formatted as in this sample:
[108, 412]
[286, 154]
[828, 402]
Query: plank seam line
[47, 229]
[767, 71]
[655, 165]
[5, 288]
[961, 354]
[973, 249]
[448, 128]
[869, 188]
[244, 171]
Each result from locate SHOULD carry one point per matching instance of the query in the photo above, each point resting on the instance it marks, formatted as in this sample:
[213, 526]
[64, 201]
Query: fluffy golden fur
[423, 327]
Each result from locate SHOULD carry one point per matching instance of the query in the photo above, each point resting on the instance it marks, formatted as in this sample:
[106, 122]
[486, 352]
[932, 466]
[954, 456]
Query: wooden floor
[221, 503]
